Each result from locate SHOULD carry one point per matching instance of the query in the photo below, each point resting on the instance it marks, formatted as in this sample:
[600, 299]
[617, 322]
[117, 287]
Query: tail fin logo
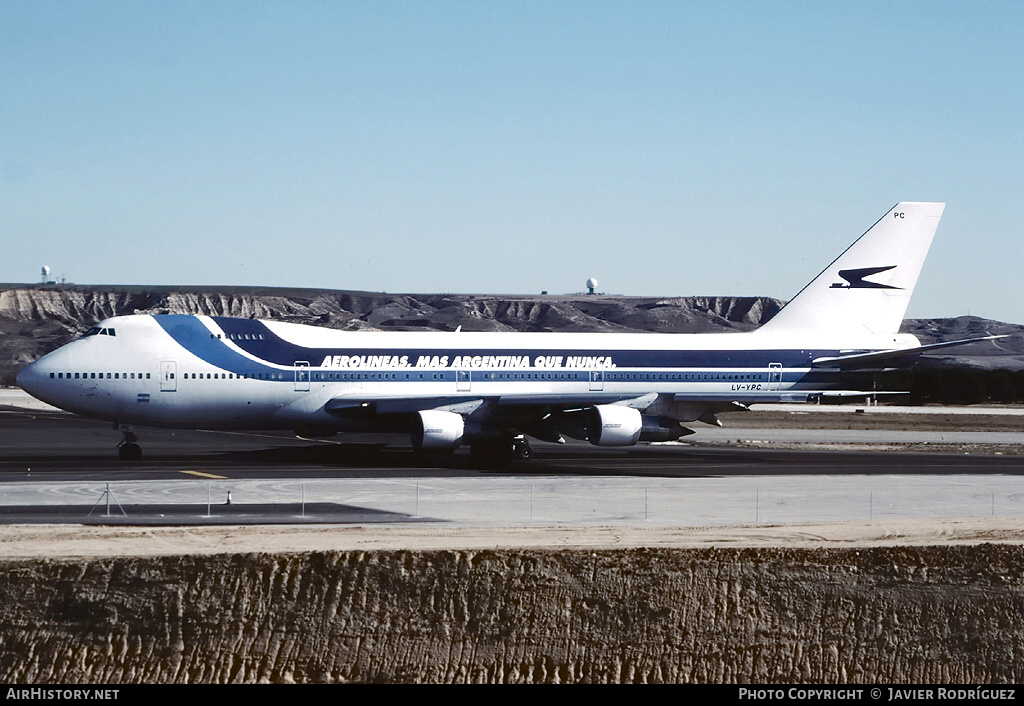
[855, 278]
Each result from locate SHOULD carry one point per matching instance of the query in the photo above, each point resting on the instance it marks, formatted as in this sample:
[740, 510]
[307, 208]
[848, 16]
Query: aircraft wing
[341, 406]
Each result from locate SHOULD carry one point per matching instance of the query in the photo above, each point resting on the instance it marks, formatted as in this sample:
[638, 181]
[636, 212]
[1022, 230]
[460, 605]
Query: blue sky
[665, 148]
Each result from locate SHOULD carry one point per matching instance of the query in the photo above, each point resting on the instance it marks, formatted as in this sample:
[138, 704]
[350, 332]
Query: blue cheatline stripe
[194, 336]
[190, 333]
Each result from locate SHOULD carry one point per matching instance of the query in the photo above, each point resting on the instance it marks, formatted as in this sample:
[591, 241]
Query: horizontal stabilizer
[741, 400]
[863, 360]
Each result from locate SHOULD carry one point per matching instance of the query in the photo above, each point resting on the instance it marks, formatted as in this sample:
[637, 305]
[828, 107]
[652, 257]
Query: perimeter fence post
[108, 496]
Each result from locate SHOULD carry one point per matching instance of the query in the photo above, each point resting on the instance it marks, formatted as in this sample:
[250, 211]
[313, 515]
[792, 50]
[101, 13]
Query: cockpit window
[97, 331]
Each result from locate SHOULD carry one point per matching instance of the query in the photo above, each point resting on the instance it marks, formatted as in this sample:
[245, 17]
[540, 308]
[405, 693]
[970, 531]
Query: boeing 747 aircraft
[491, 391]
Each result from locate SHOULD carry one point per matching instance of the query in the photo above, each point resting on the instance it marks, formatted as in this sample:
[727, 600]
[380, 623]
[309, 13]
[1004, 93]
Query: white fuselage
[220, 373]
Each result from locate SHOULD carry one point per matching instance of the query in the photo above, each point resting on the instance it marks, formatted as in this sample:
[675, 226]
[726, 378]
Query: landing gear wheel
[499, 454]
[129, 452]
[522, 450]
[129, 449]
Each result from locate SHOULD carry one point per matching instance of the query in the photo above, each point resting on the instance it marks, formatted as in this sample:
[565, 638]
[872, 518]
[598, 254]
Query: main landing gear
[128, 449]
[501, 452]
[521, 449]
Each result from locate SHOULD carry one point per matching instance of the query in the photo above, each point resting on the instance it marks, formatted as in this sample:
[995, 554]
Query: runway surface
[59, 468]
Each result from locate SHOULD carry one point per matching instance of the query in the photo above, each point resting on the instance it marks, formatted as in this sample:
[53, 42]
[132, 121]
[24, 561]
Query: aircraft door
[774, 375]
[463, 380]
[168, 381]
[301, 376]
[596, 379]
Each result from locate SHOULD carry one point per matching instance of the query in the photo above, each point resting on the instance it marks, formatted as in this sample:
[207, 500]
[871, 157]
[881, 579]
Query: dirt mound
[885, 614]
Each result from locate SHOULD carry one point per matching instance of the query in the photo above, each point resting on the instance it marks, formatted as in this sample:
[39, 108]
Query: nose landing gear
[128, 449]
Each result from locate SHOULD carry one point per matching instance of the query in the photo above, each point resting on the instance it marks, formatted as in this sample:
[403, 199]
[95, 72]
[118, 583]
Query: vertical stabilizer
[868, 287]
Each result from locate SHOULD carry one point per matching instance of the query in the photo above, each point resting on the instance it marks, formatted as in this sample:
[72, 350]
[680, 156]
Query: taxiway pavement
[60, 468]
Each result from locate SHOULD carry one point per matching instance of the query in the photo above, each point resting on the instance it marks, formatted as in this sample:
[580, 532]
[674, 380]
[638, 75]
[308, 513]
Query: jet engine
[614, 425]
[433, 430]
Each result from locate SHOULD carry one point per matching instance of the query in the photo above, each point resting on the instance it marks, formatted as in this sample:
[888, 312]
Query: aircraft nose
[28, 379]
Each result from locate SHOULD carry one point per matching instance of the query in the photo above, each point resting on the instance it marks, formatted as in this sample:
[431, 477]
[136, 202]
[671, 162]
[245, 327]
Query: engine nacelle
[613, 425]
[433, 430]
[662, 429]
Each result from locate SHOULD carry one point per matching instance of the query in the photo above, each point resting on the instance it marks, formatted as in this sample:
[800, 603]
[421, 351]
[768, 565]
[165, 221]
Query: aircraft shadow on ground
[202, 514]
[576, 460]
[683, 462]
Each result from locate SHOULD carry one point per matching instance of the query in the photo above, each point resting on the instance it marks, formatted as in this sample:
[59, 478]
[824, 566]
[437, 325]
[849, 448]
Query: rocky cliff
[896, 615]
[35, 319]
